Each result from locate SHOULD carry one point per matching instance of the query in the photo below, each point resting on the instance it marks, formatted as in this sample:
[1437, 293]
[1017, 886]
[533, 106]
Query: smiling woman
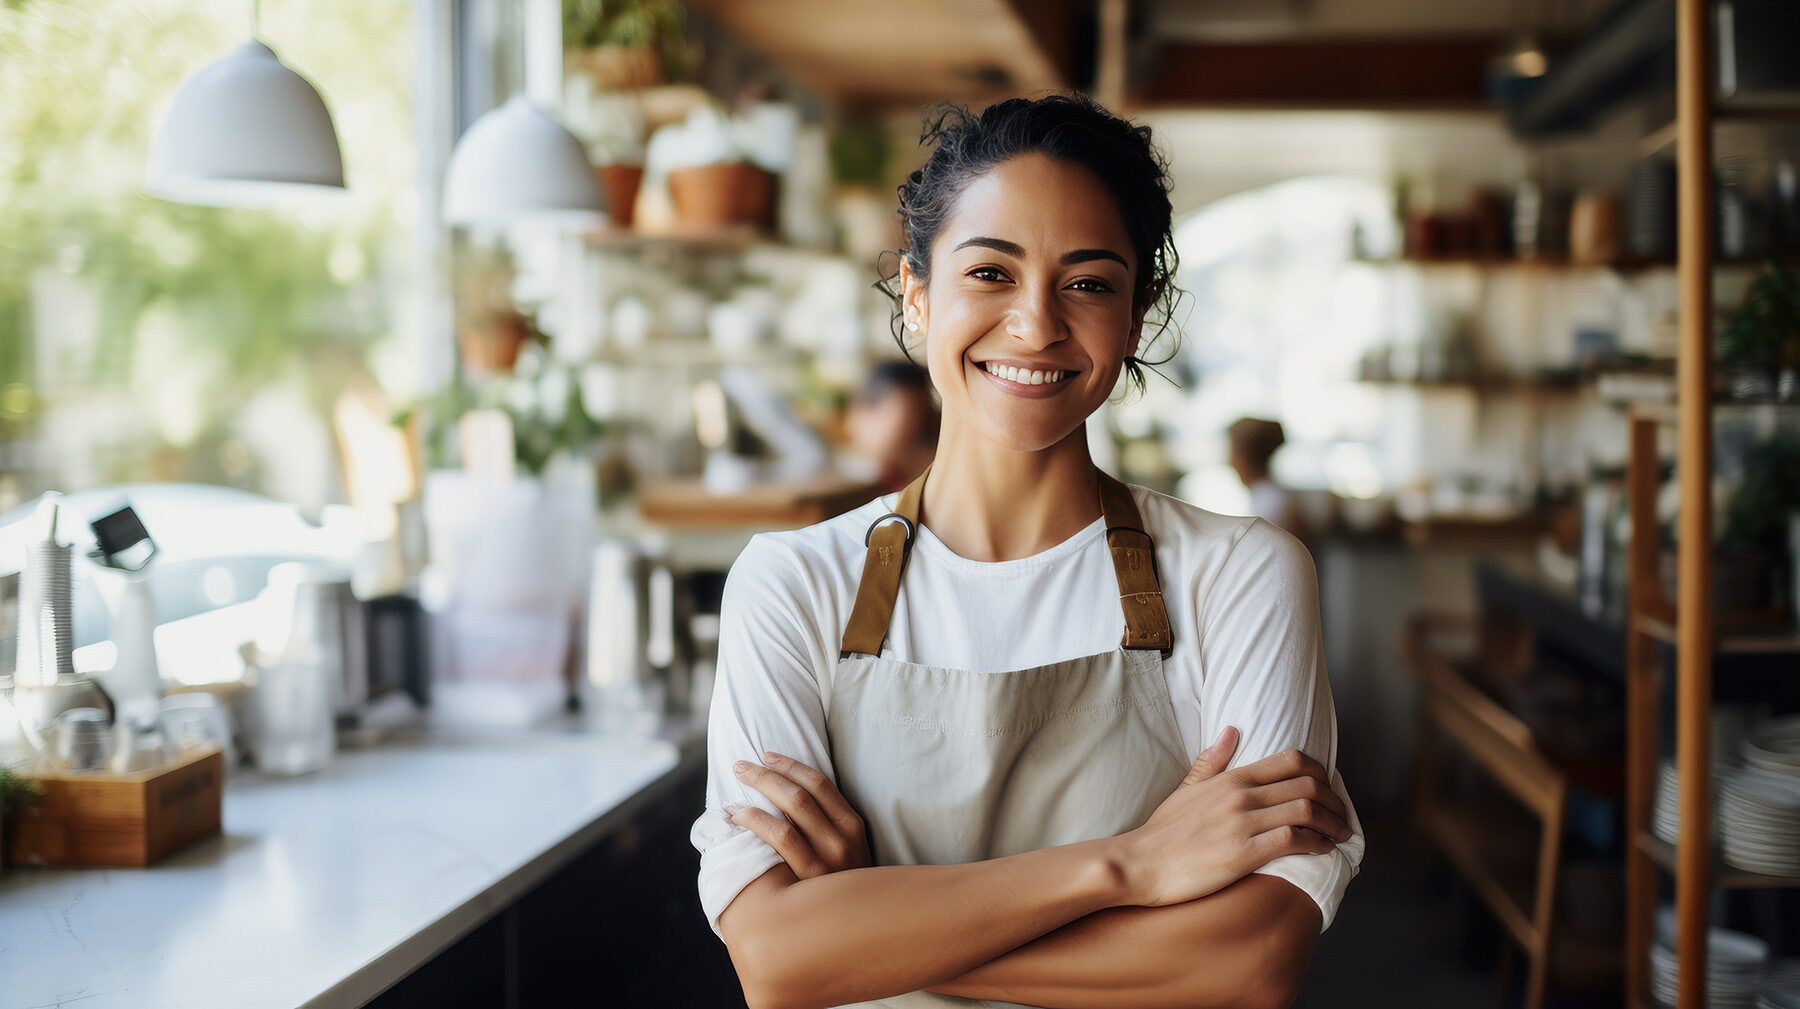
[959, 746]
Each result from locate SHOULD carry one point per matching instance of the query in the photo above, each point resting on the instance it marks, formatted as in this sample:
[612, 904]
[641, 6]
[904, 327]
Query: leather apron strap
[890, 540]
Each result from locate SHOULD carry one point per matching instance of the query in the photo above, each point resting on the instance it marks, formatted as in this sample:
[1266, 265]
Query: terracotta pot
[619, 68]
[706, 196]
[620, 184]
[756, 192]
[494, 348]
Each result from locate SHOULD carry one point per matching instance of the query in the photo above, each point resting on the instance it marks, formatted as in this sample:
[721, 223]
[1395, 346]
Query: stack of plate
[1774, 746]
[1665, 815]
[1782, 975]
[1759, 804]
[1759, 821]
[1778, 998]
[1734, 966]
[1781, 985]
[1665, 805]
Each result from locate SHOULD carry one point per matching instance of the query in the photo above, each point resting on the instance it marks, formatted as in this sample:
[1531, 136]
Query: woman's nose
[1033, 319]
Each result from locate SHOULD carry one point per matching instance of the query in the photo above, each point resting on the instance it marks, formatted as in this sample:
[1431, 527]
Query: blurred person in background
[893, 423]
[1253, 444]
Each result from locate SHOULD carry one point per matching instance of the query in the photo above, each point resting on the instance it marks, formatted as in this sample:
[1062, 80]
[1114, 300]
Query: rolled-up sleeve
[767, 696]
[1263, 664]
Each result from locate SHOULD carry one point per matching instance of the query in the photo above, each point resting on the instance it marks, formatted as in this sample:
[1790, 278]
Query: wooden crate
[130, 820]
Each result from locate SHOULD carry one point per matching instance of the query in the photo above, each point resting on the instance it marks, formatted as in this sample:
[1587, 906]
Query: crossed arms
[1168, 914]
[1244, 946]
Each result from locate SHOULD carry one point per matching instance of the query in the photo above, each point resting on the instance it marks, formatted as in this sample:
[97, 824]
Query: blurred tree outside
[144, 340]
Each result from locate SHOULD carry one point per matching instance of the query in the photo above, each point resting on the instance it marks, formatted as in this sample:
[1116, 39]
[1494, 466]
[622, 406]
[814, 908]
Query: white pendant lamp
[517, 163]
[245, 131]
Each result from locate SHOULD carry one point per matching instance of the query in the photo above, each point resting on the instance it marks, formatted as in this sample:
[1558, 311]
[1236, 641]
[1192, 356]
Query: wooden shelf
[1724, 876]
[686, 504]
[1626, 264]
[731, 238]
[1472, 530]
[1729, 640]
[1782, 108]
[1666, 413]
[1507, 262]
[697, 353]
[1488, 383]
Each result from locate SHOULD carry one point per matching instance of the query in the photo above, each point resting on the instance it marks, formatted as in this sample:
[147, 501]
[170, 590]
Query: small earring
[913, 326]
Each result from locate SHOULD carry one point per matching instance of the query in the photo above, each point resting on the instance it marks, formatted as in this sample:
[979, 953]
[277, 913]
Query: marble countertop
[325, 889]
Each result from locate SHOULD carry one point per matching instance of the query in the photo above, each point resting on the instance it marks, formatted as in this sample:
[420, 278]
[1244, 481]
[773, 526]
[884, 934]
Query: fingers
[790, 797]
[1304, 787]
[1214, 758]
[822, 789]
[1286, 764]
[1290, 840]
[781, 835]
[1301, 813]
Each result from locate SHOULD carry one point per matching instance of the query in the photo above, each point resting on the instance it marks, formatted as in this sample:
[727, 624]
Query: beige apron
[949, 766]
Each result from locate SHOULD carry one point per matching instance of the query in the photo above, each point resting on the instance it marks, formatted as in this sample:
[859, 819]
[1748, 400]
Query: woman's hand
[821, 833]
[1219, 826]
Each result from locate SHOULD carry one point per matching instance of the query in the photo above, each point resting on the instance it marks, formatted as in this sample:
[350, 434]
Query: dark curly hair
[1069, 128]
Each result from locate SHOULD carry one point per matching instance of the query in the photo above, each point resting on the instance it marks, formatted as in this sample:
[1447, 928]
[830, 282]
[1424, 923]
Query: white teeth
[1023, 376]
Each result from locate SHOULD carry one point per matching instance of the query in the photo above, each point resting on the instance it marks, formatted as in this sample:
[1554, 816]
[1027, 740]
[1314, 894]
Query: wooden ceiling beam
[875, 55]
[1349, 73]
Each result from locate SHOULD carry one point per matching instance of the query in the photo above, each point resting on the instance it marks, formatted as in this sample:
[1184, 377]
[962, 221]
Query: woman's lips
[1026, 389]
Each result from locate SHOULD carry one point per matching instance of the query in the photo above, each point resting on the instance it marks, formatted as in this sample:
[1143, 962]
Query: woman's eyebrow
[1013, 249]
[1018, 251]
[1085, 255]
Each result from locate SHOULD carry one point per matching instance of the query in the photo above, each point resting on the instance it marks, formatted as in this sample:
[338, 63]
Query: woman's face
[1027, 315]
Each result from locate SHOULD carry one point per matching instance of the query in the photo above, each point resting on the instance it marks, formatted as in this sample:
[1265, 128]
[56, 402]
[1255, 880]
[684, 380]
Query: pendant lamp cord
[255, 18]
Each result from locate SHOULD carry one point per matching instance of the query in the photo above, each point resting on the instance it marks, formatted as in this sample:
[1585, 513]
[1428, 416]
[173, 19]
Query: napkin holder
[128, 820]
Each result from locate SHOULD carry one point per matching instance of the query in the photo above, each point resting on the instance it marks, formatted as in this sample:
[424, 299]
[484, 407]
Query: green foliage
[1765, 330]
[629, 23]
[15, 790]
[1757, 516]
[225, 302]
[860, 154]
[539, 431]
[537, 437]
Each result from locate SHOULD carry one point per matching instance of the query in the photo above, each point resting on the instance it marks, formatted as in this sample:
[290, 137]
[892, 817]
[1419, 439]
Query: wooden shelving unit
[1729, 641]
[1688, 621]
[1724, 877]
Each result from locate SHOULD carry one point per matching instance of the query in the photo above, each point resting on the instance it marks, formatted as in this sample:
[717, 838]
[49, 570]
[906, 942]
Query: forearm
[1244, 946]
[905, 927]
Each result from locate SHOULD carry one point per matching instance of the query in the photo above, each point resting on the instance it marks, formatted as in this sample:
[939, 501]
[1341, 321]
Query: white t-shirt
[1241, 596]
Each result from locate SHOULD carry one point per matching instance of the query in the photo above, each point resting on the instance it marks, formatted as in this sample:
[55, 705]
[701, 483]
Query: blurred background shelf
[1723, 875]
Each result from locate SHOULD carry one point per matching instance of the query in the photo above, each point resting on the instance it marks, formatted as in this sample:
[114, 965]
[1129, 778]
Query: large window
[148, 341]
[1273, 325]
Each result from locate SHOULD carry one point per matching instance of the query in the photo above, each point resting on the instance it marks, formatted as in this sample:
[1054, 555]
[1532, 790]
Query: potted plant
[15, 791]
[1759, 347]
[490, 326]
[1755, 534]
[861, 161]
[549, 417]
[611, 127]
[623, 44]
[703, 168]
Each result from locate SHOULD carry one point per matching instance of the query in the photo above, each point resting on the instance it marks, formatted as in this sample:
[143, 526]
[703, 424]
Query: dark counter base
[619, 926]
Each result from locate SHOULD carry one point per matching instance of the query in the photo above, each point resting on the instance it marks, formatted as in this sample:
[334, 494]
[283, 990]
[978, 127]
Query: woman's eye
[987, 273]
[1093, 285]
